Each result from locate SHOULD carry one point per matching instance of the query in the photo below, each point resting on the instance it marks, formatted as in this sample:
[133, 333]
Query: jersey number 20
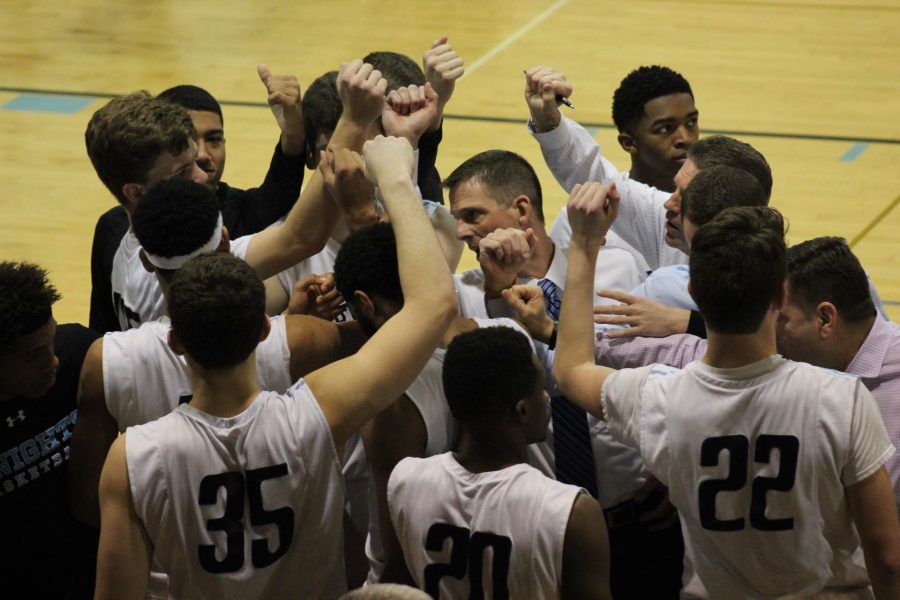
[467, 556]
[238, 487]
[738, 447]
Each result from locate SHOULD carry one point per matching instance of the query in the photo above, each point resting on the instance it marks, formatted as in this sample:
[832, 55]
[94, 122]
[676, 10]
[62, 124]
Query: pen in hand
[559, 98]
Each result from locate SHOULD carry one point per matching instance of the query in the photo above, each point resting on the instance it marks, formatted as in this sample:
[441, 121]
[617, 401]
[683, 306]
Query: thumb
[264, 73]
[513, 299]
[529, 237]
[547, 94]
[441, 40]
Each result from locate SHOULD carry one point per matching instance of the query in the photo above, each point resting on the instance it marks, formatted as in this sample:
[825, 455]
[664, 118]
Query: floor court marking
[854, 152]
[513, 37]
[517, 120]
[874, 223]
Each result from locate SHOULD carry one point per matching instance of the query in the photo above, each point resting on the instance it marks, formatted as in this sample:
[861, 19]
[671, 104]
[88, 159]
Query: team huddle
[288, 392]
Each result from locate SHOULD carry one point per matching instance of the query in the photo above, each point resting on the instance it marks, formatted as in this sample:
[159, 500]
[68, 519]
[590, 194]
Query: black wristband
[551, 343]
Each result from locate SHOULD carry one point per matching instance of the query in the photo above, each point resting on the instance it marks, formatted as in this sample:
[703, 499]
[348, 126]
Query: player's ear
[225, 242]
[521, 411]
[132, 192]
[175, 344]
[364, 304]
[148, 266]
[267, 328]
[628, 144]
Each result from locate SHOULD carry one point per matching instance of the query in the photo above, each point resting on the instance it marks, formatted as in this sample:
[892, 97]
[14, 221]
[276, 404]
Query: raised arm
[311, 220]
[123, 559]
[592, 209]
[443, 66]
[94, 432]
[353, 390]
[571, 153]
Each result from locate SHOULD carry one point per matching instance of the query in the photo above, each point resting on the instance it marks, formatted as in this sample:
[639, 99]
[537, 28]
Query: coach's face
[797, 331]
[477, 213]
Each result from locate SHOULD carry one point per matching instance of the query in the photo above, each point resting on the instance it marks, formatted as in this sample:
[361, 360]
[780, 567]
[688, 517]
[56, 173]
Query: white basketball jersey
[756, 459]
[500, 532]
[143, 379]
[317, 264]
[242, 507]
[441, 430]
[137, 296]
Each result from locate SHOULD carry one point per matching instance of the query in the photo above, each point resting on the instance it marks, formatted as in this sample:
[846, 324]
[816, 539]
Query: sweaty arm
[123, 560]
[585, 561]
[592, 208]
[94, 432]
[355, 389]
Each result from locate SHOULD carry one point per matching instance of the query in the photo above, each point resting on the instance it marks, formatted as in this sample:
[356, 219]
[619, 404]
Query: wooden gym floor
[813, 84]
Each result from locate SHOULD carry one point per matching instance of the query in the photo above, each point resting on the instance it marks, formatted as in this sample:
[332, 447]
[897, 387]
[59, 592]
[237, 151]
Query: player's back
[143, 378]
[449, 521]
[756, 460]
[243, 507]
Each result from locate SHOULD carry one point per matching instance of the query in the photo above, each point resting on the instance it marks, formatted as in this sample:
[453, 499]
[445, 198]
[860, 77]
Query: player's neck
[225, 392]
[489, 453]
[458, 326]
[541, 257]
[730, 351]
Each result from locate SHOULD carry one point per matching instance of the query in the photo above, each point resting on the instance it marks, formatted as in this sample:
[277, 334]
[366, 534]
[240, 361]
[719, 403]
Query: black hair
[192, 97]
[486, 371]
[824, 269]
[26, 300]
[721, 150]
[367, 261]
[505, 176]
[175, 217]
[217, 305]
[738, 268]
[322, 109]
[640, 87]
[399, 69]
[714, 189]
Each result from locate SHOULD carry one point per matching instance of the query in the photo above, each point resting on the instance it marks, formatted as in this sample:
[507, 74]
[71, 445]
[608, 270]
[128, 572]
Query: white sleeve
[642, 222]
[273, 358]
[239, 246]
[870, 446]
[621, 399]
[572, 155]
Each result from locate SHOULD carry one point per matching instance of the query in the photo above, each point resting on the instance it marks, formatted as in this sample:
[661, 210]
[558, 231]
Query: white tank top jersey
[317, 264]
[143, 379]
[243, 507]
[441, 430]
[447, 519]
[137, 296]
[756, 459]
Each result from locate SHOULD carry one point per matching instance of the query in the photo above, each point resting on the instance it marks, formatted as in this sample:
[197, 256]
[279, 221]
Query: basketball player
[757, 523]
[42, 546]
[208, 445]
[546, 539]
[366, 274]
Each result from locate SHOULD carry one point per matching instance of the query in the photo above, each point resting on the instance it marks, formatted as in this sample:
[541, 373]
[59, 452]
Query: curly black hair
[640, 87]
[26, 300]
[175, 217]
[367, 261]
[486, 371]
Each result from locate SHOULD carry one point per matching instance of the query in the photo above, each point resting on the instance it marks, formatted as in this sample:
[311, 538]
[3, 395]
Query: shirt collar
[871, 355]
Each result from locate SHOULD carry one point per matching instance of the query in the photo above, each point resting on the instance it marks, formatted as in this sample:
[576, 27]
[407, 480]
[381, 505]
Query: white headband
[176, 262]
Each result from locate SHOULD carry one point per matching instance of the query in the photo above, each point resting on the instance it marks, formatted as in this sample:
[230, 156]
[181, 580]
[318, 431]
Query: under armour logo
[11, 421]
